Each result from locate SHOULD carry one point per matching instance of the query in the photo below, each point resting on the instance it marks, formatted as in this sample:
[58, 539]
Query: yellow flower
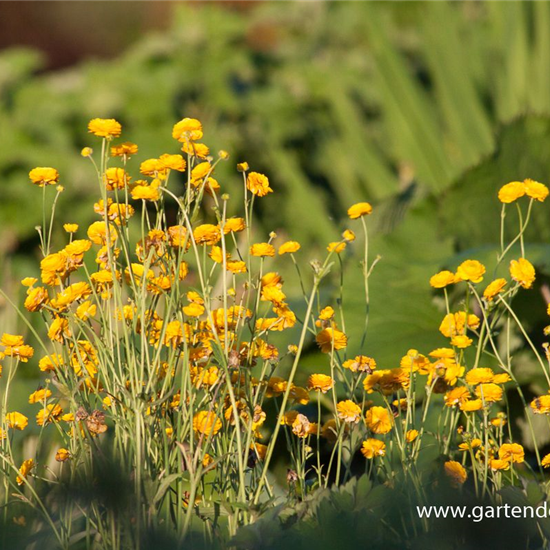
[301, 426]
[359, 209]
[461, 341]
[471, 405]
[455, 472]
[104, 127]
[126, 150]
[348, 235]
[541, 405]
[361, 363]
[479, 375]
[336, 247]
[442, 279]
[523, 272]
[546, 461]
[493, 289]
[470, 270]
[320, 382]
[17, 420]
[207, 423]
[262, 250]
[195, 149]
[62, 455]
[39, 395]
[87, 152]
[379, 420]
[86, 310]
[70, 227]
[511, 452]
[330, 338]
[498, 464]
[473, 444]
[372, 448]
[50, 413]
[187, 129]
[535, 190]
[289, 247]
[511, 191]
[24, 470]
[207, 234]
[42, 176]
[242, 166]
[258, 184]
[411, 435]
[116, 178]
[234, 225]
[490, 393]
[348, 411]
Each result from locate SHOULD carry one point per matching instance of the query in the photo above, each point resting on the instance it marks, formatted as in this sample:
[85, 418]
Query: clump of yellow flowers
[161, 330]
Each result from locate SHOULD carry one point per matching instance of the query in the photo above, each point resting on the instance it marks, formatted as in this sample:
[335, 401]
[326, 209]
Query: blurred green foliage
[424, 109]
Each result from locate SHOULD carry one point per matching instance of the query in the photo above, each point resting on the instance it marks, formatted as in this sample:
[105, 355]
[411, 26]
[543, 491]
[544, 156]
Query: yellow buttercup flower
[262, 250]
[411, 435]
[470, 270]
[320, 382]
[490, 393]
[206, 423]
[523, 272]
[125, 150]
[511, 452]
[443, 279]
[62, 455]
[359, 210]
[379, 420]
[493, 289]
[546, 461]
[330, 338]
[289, 247]
[511, 192]
[70, 227]
[372, 448]
[455, 472]
[188, 129]
[336, 247]
[24, 471]
[348, 411]
[258, 184]
[536, 190]
[105, 127]
[17, 420]
[42, 176]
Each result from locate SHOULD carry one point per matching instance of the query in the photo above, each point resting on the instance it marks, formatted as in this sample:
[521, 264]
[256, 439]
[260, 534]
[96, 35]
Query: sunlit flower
[455, 472]
[187, 129]
[42, 176]
[443, 279]
[523, 272]
[372, 448]
[105, 127]
[348, 411]
[470, 270]
[511, 452]
[206, 423]
[511, 192]
[289, 247]
[17, 420]
[493, 289]
[258, 184]
[331, 338]
[24, 471]
[359, 209]
[320, 382]
[379, 420]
